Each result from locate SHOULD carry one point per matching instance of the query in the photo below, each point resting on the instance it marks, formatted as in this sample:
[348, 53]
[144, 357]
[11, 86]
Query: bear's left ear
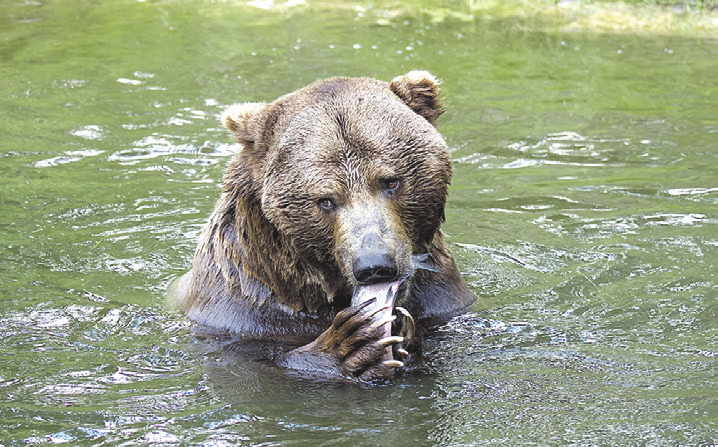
[244, 121]
[420, 91]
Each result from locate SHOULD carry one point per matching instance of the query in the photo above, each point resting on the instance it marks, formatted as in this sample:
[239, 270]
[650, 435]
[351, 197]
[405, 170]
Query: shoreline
[621, 17]
[600, 16]
[605, 16]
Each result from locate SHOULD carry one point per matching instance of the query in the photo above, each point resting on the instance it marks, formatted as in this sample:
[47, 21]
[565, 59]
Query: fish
[384, 307]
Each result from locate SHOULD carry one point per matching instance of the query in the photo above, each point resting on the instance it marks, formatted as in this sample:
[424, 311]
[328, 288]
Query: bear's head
[337, 184]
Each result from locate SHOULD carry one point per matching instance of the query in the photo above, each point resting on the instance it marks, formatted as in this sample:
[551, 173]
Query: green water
[583, 213]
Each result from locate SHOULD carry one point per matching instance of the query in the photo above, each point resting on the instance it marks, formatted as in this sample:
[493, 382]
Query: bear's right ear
[420, 91]
[244, 121]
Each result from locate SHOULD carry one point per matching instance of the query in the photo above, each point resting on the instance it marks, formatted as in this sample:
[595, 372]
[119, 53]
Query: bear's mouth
[387, 314]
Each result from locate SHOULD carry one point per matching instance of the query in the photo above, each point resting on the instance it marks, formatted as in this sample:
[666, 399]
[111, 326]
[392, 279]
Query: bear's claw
[383, 321]
[408, 327]
[393, 363]
[391, 340]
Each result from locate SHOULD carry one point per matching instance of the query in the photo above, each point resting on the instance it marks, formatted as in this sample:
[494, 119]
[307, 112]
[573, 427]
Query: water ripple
[67, 157]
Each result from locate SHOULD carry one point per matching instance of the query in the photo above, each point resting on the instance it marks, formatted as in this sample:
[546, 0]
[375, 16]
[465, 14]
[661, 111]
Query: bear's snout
[373, 263]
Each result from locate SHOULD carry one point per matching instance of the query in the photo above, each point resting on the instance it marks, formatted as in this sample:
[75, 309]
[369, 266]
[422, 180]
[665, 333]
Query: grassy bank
[654, 16]
[687, 17]
[695, 4]
[691, 17]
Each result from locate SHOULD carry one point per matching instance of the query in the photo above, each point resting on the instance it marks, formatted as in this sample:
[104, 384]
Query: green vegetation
[692, 17]
[695, 4]
[687, 17]
[654, 16]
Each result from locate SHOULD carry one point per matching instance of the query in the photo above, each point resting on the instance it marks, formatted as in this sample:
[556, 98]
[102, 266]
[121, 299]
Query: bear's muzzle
[373, 263]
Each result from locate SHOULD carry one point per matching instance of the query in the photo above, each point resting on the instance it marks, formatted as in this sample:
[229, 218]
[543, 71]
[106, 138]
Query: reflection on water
[582, 213]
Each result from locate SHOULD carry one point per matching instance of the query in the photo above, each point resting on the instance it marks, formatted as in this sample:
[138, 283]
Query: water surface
[582, 213]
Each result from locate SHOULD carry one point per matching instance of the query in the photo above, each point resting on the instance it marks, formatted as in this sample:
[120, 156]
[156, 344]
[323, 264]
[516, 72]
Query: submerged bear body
[336, 190]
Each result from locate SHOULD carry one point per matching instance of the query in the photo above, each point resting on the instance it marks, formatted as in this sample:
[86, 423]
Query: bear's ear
[243, 121]
[420, 91]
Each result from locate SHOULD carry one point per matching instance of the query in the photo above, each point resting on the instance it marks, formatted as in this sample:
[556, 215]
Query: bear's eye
[391, 185]
[326, 204]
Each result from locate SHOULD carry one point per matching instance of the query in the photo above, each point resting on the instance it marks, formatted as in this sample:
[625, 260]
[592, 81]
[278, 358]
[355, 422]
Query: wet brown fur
[271, 263]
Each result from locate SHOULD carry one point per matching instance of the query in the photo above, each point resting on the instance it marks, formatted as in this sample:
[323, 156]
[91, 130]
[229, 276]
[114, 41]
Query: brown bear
[329, 223]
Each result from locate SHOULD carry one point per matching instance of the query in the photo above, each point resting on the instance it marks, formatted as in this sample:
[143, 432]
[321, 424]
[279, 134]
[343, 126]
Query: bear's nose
[375, 267]
[373, 263]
